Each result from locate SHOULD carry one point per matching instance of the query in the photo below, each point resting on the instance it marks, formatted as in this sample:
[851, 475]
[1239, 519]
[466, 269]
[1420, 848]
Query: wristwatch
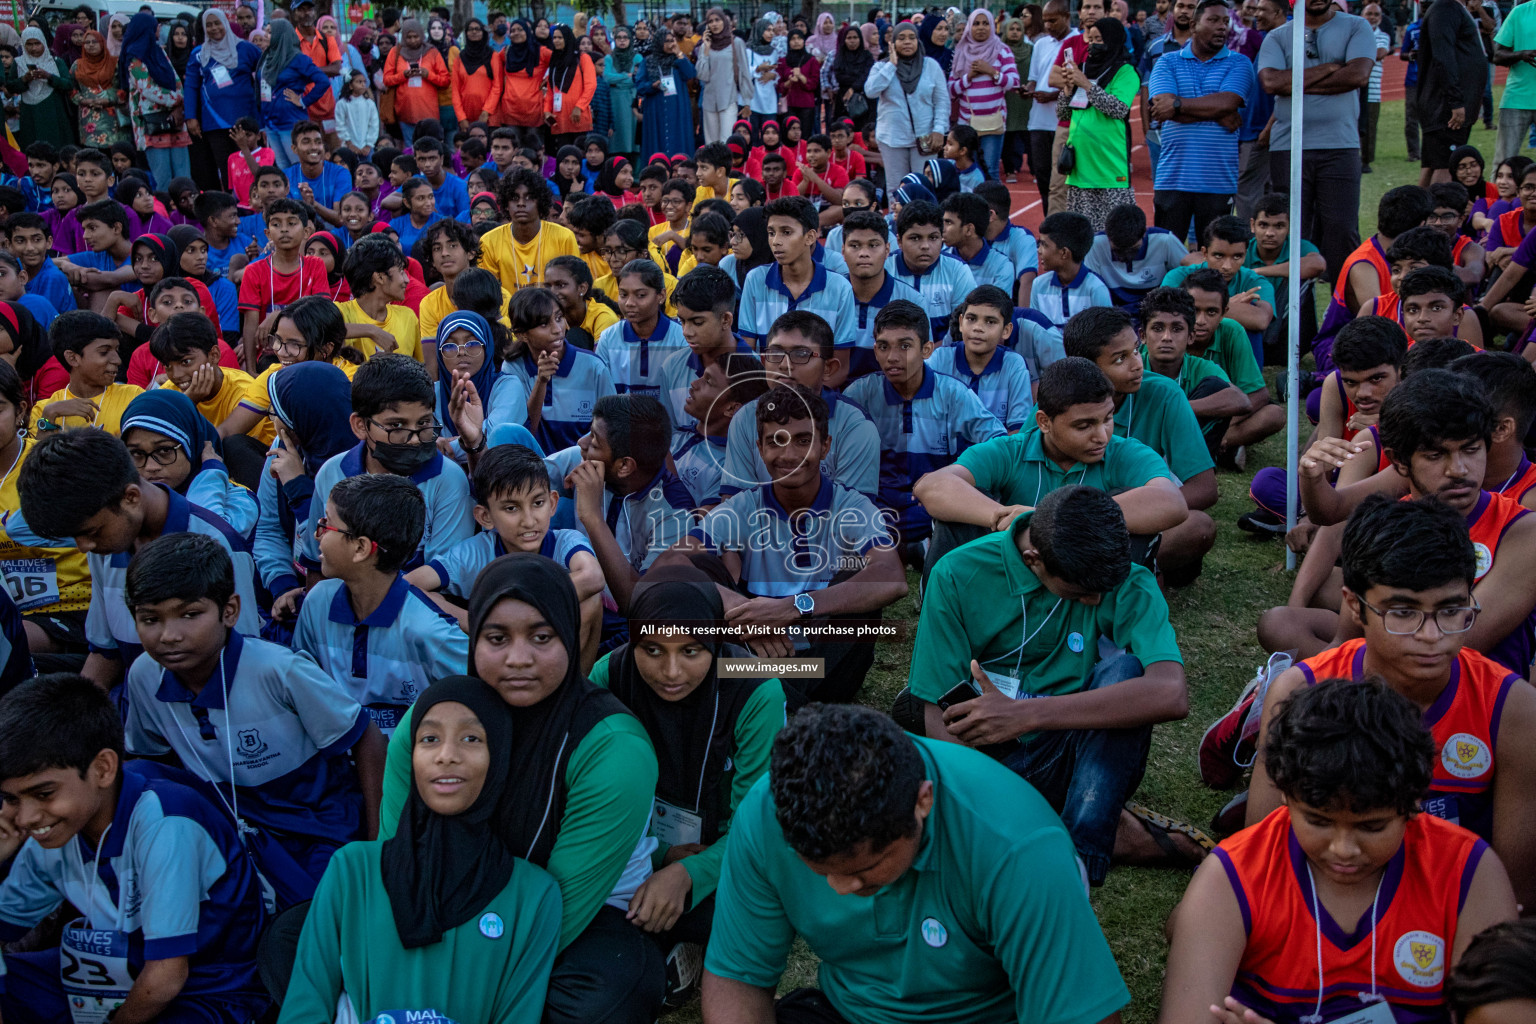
[805, 605]
[1178, 104]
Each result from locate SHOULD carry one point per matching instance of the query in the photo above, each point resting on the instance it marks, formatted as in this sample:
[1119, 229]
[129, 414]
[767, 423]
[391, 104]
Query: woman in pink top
[981, 74]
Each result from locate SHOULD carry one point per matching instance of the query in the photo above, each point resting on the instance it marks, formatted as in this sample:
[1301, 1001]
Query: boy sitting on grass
[257, 721]
[978, 359]
[367, 628]
[728, 382]
[1282, 923]
[170, 904]
[1065, 286]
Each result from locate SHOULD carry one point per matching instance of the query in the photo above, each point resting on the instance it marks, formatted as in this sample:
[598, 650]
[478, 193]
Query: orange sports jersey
[1457, 247]
[1411, 937]
[1519, 484]
[1370, 251]
[1463, 721]
[1382, 462]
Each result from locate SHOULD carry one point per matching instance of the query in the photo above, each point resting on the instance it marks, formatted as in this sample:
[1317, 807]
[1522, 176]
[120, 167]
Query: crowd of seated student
[390, 555]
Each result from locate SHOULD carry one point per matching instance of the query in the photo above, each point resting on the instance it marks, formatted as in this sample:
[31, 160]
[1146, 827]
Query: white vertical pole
[1293, 277]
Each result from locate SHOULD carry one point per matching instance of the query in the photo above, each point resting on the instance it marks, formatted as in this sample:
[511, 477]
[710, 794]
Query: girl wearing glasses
[466, 355]
[173, 444]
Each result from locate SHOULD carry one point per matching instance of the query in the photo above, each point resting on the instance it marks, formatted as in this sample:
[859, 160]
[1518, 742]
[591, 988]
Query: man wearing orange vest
[325, 51]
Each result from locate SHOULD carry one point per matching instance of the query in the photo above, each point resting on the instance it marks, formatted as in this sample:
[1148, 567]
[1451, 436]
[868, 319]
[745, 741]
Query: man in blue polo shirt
[315, 181]
[794, 280]
[966, 219]
[1197, 94]
[940, 910]
[867, 247]
[921, 264]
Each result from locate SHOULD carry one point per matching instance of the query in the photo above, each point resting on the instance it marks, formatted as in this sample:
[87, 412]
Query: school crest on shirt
[249, 743]
[1420, 958]
[1465, 756]
[1484, 559]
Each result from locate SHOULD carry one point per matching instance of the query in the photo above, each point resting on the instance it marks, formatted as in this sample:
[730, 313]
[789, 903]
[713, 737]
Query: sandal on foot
[1160, 827]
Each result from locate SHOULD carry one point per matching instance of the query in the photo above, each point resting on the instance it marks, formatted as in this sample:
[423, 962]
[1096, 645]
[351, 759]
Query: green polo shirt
[1015, 470]
[1159, 417]
[967, 615]
[1243, 280]
[1253, 260]
[1231, 350]
[990, 925]
[1192, 372]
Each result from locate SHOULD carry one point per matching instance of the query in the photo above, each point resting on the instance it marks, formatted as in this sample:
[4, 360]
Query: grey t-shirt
[1330, 122]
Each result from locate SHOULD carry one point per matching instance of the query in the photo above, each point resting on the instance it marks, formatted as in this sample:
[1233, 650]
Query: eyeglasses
[453, 348]
[163, 456]
[286, 346]
[405, 435]
[1408, 621]
[1528, 189]
[616, 254]
[323, 527]
[1444, 218]
[798, 356]
[673, 201]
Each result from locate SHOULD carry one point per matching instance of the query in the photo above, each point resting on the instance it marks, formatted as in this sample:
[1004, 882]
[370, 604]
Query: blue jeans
[991, 151]
[1087, 775]
[166, 164]
[407, 132]
[283, 152]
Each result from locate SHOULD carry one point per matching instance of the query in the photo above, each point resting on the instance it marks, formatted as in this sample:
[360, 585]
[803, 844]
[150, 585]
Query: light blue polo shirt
[508, 404]
[1200, 156]
[943, 286]
[171, 874]
[700, 466]
[270, 721]
[1036, 339]
[1128, 280]
[276, 547]
[765, 298]
[442, 483]
[783, 556]
[644, 523]
[1058, 302]
[853, 459]
[919, 435]
[109, 627]
[678, 372]
[569, 398]
[989, 266]
[634, 363]
[1021, 249]
[459, 566]
[861, 354]
[1002, 385]
[388, 659]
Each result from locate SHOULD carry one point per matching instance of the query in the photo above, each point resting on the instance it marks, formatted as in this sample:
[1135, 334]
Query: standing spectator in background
[95, 94]
[662, 84]
[1073, 51]
[1016, 130]
[850, 72]
[414, 71]
[441, 40]
[981, 76]
[1409, 52]
[1042, 117]
[619, 73]
[913, 114]
[725, 70]
[325, 51]
[42, 81]
[1452, 70]
[1180, 30]
[473, 75]
[144, 72]
[1135, 38]
[1157, 22]
[518, 96]
[1515, 48]
[295, 83]
[1370, 101]
[572, 81]
[1197, 94]
[1258, 108]
[221, 87]
[1339, 55]
[800, 79]
[1100, 178]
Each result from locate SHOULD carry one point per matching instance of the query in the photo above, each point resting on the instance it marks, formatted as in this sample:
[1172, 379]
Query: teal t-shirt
[990, 925]
[1015, 470]
[1159, 417]
[1241, 282]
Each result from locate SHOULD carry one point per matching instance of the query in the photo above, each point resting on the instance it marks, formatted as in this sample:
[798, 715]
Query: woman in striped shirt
[982, 74]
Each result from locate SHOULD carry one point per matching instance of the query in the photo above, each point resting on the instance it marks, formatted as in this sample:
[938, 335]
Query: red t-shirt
[263, 289]
[853, 166]
[143, 366]
[1077, 46]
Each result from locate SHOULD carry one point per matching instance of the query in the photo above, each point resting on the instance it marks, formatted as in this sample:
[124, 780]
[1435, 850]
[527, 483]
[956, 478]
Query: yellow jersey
[663, 253]
[600, 316]
[110, 405]
[42, 580]
[517, 264]
[398, 321]
[439, 303]
[237, 388]
[595, 263]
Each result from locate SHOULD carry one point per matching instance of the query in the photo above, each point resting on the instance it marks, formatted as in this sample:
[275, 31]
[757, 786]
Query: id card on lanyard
[220, 75]
[675, 826]
[93, 971]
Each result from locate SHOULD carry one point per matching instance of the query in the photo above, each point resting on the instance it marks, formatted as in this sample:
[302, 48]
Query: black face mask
[1096, 51]
[501, 30]
[404, 459]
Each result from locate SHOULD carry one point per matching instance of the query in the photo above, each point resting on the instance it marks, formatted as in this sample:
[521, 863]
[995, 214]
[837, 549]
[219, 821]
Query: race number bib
[93, 971]
[674, 826]
[33, 582]
[220, 75]
[386, 716]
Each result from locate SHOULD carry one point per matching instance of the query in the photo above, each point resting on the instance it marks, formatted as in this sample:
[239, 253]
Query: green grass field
[1215, 619]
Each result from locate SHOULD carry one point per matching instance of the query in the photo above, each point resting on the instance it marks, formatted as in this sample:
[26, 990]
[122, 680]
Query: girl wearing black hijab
[582, 778]
[441, 916]
[712, 736]
[749, 244]
[850, 68]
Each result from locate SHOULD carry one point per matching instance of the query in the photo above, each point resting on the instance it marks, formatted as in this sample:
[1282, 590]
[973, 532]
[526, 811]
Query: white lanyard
[233, 803]
[1317, 924]
[698, 800]
[89, 880]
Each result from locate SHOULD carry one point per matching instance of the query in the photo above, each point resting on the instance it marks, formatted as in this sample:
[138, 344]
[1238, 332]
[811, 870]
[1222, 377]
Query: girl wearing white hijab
[42, 81]
[221, 87]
